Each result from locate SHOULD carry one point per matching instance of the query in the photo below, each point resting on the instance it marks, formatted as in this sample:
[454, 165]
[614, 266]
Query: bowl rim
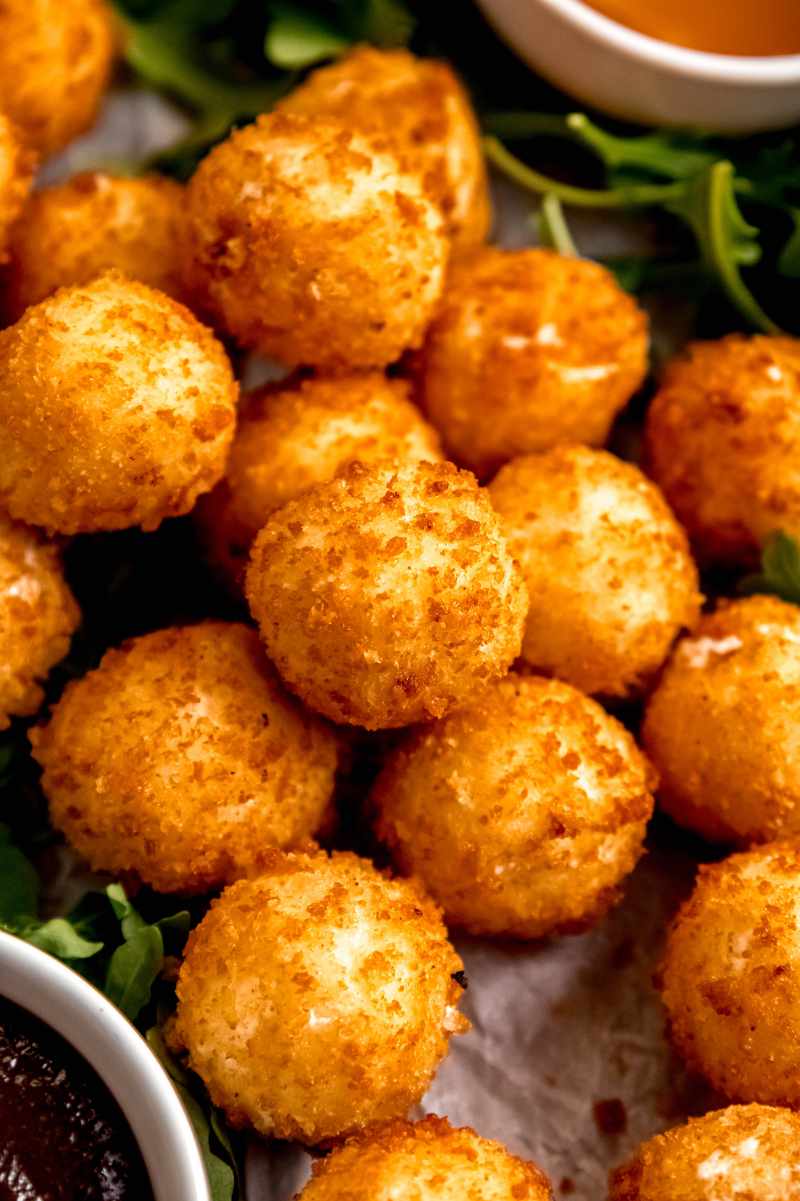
[101, 1033]
[777, 69]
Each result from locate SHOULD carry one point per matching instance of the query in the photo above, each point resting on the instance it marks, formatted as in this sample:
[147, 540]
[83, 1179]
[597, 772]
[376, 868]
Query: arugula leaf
[60, 938]
[780, 569]
[223, 1177]
[789, 260]
[133, 969]
[297, 39]
[664, 154]
[382, 22]
[19, 885]
[553, 229]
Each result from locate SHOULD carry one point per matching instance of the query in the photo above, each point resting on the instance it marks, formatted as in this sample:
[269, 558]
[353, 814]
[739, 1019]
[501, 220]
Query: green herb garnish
[780, 569]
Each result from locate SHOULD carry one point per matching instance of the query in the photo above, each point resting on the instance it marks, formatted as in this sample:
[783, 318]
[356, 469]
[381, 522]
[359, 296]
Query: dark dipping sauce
[62, 1135]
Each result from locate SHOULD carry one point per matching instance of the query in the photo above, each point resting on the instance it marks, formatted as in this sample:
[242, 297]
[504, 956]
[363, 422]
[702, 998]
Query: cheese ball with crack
[742, 1153]
[17, 165]
[429, 1160]
[521, 813]
[310, 243]
[55, 64]
[38, 616]
[318, 998]
[73, 231]
[181, 759]
[721, 726]
[723, 442]
[529, 349]
[421, 109]
[299, 434]
[730, 977]
[117, 408]
[387, 596]
[610, 578]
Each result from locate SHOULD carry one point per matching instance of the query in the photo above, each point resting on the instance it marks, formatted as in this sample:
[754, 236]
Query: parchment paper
[566, 1062]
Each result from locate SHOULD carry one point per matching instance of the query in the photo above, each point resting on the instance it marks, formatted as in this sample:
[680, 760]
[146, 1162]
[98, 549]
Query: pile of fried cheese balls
[433, 543]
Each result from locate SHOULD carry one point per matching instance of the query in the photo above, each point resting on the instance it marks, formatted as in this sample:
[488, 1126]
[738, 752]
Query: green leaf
[553, 229]
[133, 969]
[382, 22]
[297, 38]
[222, 1177]
[521, 126]
[19, 884]
[667, 155]
[780, 569]
[708, 204]
[130, 921]
[174, 931]
[60, 938]
[789, 261]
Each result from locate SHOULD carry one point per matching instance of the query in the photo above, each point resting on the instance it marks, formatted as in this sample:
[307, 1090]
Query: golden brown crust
[723, 441]
[421, 109]
[730, 978]
[387, 596]
[181, 759]
[312, 245]
[610, 579]
[291, 437]
[73, 231]
[721, 726]
[429, 1160]
[38, 615]
[529, 350]
[318, 998]
[55, 64]
[117, 408]
[742, 1153]
[521, 813]
[17, 165]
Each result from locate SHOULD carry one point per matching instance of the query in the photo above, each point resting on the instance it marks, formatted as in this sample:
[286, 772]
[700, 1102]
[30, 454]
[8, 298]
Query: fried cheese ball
[318, 998]
[419, 106]
[610, 579]
[73, 231]
[521, 813]
[16, 174]
[293, 436]
[55, 64]
[181, 759]
[730, 978]
[721, 727]
[311, 244]
[424, 1161]
[117, 408]
[388, 595]
[528, 349]
[38, 616]
[723, 442]
[742, 1153]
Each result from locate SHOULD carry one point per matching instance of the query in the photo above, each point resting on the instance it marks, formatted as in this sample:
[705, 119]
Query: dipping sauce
[760, 27]
[62, 1135]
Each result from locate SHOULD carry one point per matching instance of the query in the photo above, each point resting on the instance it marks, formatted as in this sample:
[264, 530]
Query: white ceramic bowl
[638, 78]
[65, 1001]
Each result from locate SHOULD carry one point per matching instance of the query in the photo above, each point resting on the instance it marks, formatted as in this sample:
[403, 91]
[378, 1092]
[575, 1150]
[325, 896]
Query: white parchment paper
[566, 1062]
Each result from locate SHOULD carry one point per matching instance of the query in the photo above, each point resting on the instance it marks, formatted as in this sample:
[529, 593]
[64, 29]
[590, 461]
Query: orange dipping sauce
[759, 27]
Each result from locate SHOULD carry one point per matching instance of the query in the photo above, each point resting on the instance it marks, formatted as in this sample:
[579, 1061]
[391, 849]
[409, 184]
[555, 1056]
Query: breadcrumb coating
[419, 106]
[55, 64]
[117, 409]
[303, 433]
[318, 998]
[17, 165]
[730, 978]
[181, 759]
[311, 244]
[38, 616]
[73, 231]
[723, 442]
[428, 1160]
[528, 350]
[521, 813]
[742, 1153]
[387, 596]
[610, 579]
[721, 726]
